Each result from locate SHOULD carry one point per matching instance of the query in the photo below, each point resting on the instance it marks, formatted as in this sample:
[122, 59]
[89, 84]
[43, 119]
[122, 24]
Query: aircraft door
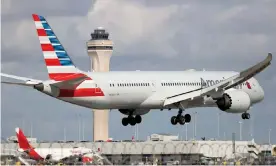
[97, 89]
[153, 86]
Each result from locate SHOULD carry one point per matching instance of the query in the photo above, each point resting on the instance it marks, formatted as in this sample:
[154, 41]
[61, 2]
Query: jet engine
[234, 102]
[48, 157]
[134, 111]
[47, 89]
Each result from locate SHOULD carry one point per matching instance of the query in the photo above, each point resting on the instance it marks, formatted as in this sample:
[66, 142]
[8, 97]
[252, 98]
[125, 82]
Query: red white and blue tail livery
[57, 60]
[135, 93]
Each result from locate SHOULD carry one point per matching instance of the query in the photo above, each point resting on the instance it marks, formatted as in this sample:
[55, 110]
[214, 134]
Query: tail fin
[22, 140]
[58, 62]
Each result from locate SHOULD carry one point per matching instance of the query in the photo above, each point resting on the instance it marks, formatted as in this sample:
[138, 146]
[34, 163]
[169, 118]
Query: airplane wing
[217, 89]
[26, 81]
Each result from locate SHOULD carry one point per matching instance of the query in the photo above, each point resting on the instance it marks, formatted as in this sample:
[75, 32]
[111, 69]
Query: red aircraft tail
[25, 146]
[22, 140]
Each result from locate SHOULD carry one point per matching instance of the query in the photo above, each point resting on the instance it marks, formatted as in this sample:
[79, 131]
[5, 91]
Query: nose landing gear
[131, 120]
[180, 118]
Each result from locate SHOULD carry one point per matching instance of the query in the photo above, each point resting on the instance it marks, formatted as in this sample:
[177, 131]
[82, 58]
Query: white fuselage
[61, 153]
[149, 89]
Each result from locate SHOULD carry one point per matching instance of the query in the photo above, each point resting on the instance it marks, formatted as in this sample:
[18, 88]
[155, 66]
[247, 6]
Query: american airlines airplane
[135, 93]
[52, 154]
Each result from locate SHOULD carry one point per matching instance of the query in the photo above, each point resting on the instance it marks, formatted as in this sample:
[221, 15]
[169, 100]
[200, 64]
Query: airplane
[135, 93]
[50, 154]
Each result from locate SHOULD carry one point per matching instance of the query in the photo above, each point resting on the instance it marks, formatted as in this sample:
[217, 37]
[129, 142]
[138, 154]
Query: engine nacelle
[48, 157]
[134, 111]
[47, 89]
[234, 101]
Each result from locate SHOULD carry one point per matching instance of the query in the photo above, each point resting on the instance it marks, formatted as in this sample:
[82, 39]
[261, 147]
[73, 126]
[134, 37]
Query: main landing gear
[245, 115]
[132, 120]
[180, 118]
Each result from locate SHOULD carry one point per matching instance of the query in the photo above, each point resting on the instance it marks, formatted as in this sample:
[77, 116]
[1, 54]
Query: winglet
[248, 73]
[269, 57]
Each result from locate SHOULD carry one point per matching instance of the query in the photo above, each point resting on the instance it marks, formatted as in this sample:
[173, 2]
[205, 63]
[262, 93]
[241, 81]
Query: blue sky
[179, 35]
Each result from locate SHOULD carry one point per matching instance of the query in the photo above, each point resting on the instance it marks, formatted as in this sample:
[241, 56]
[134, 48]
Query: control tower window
[99, 47]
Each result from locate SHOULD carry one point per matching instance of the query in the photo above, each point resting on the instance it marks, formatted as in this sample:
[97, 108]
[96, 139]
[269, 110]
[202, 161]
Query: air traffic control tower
[99, 49]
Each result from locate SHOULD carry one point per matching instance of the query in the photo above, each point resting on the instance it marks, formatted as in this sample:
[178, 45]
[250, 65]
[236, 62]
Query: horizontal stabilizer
[24, 80]
[17, 83]
[20, 78]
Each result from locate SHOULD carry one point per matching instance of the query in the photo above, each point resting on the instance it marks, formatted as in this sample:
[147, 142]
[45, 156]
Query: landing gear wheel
[173, 120]
[187, 118]
[125, 121]
[247, 116]
[243, 116]
[181, 120]
[132, 121]
[138, 119]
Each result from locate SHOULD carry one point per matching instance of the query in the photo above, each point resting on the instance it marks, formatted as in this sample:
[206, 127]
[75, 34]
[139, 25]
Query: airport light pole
[137, 132]
[240, 122]
[23, 124]
[31, 134]
[64, 134]
[82, 129]
[218, 125]
[269, 133]
[186, 131]
[78, 116]
[195, 125]
[251, 127]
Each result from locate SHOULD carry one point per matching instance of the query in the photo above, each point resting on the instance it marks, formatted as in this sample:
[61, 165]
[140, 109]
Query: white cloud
[231, 13]
[131, 23]
[19, 35]
[166, 30]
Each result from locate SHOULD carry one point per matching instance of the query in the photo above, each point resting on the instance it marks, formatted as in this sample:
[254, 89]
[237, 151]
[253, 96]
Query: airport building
[164, 149]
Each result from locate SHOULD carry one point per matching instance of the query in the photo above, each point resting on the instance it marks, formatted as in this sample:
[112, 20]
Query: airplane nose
[261, 93]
